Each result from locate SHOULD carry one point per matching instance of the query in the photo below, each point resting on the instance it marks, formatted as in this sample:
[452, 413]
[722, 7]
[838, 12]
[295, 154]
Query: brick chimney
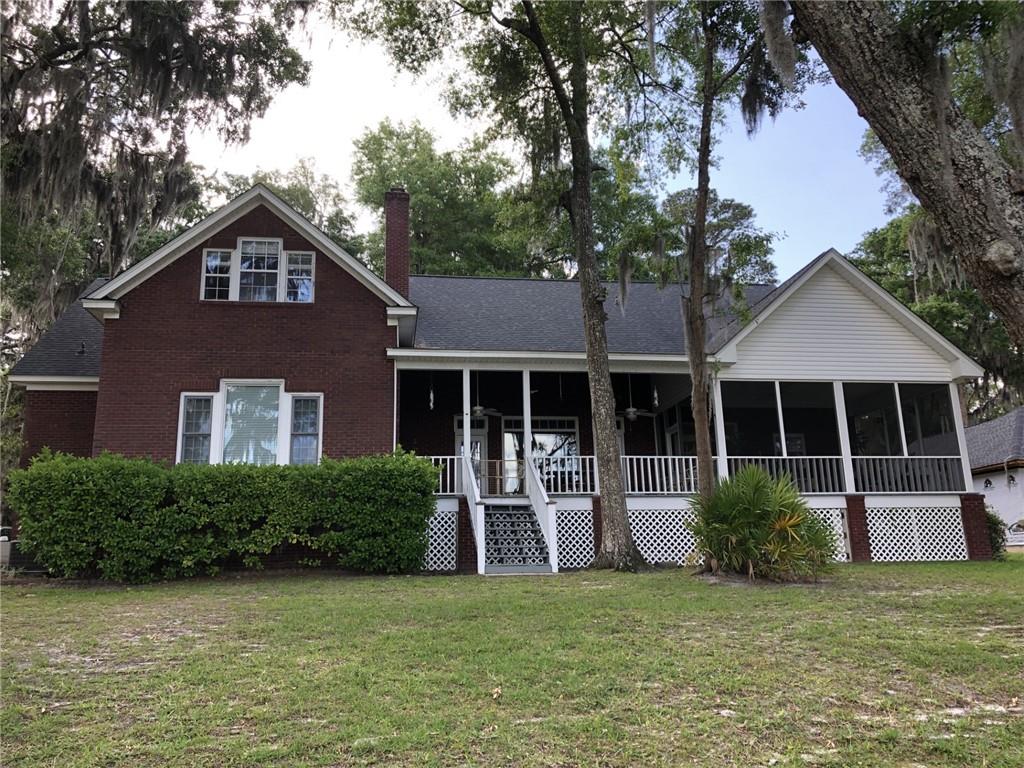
[396, 239]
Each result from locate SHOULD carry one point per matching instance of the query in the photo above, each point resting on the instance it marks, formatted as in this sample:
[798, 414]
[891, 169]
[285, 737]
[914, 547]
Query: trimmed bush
[134, 520]
[756, 525]
[997, 533]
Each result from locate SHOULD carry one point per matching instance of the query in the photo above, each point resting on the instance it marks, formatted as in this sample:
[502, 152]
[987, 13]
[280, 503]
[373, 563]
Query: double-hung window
[196, 428]
[249, 422]
[258, 270]
[305, 429]
[217, 275]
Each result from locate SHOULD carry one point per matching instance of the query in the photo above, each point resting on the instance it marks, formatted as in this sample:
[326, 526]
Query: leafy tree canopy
[318, 197]
[96, 99]
[455, 199]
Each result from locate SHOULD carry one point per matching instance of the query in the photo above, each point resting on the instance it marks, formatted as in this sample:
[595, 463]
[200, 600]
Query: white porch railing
[812, 474]
[659, 474]
[677, 475]
[908, 474]
[567, 475]
[448, 475]
[476, 512]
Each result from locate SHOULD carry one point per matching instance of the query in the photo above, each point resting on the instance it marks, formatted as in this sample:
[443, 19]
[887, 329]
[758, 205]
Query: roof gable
[241, 205]
[870, 306]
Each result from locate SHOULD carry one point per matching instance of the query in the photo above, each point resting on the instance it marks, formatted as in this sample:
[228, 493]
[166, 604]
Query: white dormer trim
[241, 205]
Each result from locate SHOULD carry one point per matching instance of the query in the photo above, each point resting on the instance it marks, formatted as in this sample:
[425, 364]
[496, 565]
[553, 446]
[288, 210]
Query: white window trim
[235, 275]
[203, 275]
[319, 421]
[236, 266]
[181, 420]
[312, 277]
[218, 413]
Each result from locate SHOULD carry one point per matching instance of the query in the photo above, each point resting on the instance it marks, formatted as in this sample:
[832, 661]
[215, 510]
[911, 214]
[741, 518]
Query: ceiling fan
[478, 411]
[632, 413]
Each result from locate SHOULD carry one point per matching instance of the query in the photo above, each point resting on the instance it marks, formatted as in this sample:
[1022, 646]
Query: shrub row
[135, 520]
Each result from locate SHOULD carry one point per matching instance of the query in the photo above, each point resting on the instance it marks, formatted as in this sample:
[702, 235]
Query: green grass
[909, 665]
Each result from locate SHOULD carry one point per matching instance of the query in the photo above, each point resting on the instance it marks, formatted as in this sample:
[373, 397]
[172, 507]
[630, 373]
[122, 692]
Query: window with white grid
[196, 429]
[300, 277]
[217, 275]
[259, 265]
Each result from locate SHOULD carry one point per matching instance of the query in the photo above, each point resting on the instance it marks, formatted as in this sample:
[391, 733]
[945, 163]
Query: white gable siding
[829, 329]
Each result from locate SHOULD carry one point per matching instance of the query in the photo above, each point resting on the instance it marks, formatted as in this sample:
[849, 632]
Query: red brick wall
[58, 420]
[396, 239]
[168, 341]
[466, 548]
[857, 524]
[972, 510]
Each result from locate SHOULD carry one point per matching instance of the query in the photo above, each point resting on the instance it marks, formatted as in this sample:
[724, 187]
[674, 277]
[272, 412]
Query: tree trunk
[898, 86]
[617, 548]
[693, 305]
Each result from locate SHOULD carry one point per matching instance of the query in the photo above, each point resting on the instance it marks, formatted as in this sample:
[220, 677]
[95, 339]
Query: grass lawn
[904, 665]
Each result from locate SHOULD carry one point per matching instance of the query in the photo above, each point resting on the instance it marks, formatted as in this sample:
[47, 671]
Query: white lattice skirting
[916, 533]
[575, 538]
[835, 519]
[662, 535]
[442, 542]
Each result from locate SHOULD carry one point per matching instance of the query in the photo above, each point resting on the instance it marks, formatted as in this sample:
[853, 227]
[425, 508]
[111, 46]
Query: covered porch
[840, 437]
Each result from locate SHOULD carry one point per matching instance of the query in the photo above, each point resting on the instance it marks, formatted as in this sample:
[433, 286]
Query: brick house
[253, 337]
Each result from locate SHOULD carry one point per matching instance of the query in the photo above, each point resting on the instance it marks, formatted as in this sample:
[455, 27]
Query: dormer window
[258, 270]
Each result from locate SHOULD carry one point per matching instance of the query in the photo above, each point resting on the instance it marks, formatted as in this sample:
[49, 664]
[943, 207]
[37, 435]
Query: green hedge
[135, 520]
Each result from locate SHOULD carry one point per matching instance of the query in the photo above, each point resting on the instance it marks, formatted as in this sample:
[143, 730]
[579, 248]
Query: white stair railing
[476, 511]
[567, 475]
[546, 511]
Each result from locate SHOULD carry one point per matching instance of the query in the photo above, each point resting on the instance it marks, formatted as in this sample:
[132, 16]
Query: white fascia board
[58, 383]
[102, 309]
[519, 360]
[235, 209]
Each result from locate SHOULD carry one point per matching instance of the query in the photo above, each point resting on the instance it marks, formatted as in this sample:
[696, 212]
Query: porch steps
[513, 540]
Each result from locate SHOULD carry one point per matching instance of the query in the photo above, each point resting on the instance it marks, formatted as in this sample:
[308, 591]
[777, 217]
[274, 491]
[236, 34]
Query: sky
[801, 173]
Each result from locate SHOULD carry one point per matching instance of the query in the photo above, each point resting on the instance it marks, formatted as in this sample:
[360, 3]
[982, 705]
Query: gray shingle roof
[471, 313]
[489, 314]
[997, 441]
[60, 352]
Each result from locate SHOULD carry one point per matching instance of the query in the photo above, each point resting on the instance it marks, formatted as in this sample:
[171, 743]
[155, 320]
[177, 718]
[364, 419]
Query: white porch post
[961, 437]
[467, 427]
[719, 416]
[899, 418]
[844, 437]
[782, 421]
[527, 419]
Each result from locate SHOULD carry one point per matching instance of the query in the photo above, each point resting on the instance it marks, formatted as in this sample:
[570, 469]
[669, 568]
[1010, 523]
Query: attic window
[259, 270]
[259, 267]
